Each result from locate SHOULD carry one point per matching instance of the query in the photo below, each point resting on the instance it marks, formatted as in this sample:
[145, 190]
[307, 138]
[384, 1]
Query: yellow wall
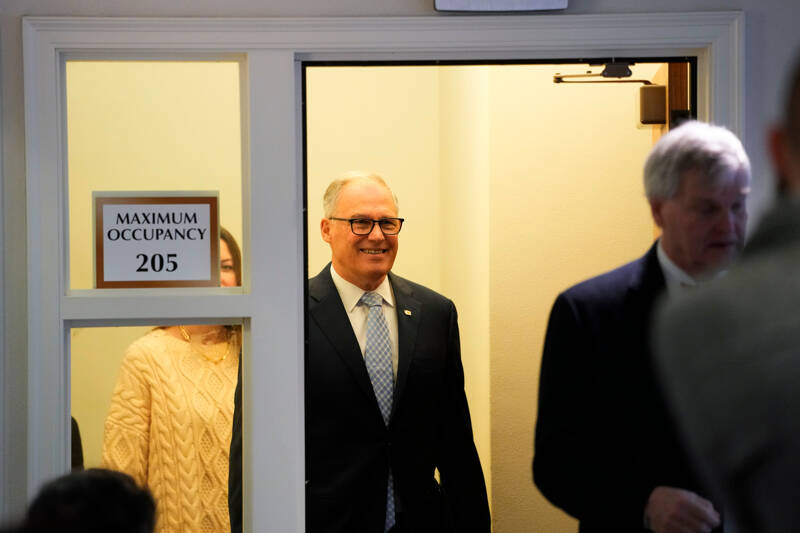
[464, 175]
[566, 203]
[383, 120]
[150, 126]
[96, 354]
[141, 126]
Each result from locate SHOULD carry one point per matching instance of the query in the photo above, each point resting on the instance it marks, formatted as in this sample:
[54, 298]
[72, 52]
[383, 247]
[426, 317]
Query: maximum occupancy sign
[143, 240]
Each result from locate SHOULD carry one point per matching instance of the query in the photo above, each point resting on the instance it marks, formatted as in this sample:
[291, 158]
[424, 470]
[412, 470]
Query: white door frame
[271, 300]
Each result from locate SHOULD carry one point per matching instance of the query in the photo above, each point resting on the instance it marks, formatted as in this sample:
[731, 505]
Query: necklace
[205, 353]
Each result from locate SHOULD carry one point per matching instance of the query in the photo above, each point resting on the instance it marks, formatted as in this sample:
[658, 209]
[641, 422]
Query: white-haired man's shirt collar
[674, 275]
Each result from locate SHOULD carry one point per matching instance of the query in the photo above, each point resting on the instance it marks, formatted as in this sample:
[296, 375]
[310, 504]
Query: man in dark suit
[373, 441]
[385, 402]
[729, 358]
[605, 448]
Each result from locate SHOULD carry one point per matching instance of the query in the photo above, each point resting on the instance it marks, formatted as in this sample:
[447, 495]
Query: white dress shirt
[677, 279]
[674, 275]
[350, 295]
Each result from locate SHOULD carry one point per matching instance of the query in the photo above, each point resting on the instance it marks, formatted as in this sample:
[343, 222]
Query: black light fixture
[614, 69]
[652, 97]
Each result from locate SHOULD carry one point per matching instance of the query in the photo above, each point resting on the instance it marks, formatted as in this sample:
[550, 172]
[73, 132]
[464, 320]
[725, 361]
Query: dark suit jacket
[349, 449]
[604, 439]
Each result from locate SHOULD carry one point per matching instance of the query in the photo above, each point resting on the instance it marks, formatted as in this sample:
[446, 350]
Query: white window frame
[272, 300]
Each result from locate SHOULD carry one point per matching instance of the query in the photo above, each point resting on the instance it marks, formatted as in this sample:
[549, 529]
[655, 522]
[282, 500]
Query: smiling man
[606, 451]
[385, 402]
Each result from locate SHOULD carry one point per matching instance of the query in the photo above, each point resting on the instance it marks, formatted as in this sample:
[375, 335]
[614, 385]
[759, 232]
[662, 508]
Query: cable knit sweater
[169, 426]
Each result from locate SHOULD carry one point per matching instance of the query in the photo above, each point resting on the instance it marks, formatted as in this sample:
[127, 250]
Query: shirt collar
[676, 277]
[673, 274]
[350, 294]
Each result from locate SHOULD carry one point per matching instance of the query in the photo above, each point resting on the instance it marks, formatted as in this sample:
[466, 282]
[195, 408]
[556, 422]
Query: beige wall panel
[464, 135]
[383, 120]
[150, 126]
[96, 354]
[566, 203]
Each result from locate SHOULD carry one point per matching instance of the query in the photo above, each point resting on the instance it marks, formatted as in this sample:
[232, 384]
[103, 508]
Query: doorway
[513, 188]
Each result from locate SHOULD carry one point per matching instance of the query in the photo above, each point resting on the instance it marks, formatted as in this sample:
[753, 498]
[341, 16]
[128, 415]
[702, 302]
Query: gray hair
[712, 150]
[331, 197]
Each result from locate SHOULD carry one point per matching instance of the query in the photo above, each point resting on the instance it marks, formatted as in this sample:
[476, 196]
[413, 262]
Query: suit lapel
[645, 290]
[409, 314]
[326, 310]
[647, 285]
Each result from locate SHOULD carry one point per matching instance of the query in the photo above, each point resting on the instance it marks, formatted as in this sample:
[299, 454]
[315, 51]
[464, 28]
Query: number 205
[157, 263]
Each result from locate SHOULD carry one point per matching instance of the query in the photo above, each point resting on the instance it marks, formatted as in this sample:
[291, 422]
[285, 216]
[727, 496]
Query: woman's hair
[234, 332]
[236, 252]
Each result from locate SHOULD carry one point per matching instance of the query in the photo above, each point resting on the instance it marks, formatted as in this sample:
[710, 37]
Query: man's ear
[325, 229]
[655, 210]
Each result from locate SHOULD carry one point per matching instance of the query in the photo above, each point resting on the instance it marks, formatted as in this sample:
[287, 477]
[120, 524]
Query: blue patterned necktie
[378, 358]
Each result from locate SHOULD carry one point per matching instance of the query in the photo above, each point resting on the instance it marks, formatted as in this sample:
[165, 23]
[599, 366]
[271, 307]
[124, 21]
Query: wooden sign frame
[102, 199]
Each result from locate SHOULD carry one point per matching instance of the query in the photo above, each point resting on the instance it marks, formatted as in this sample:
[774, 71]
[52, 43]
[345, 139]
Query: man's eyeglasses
[363, 226]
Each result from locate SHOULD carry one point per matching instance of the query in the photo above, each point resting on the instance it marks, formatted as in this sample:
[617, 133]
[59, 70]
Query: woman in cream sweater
[169, 424]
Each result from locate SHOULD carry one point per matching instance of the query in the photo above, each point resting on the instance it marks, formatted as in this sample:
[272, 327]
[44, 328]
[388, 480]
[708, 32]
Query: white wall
[771, 40]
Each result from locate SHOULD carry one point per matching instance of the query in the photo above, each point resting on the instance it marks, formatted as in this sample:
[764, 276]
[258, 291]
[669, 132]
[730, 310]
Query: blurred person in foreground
[90, 501]
[169, 422]
[730, 357]
[606, 450]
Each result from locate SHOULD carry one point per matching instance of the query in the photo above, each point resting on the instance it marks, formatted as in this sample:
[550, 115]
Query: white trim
[5, 396]
[273, 177]
[716, 37]
[47, 429]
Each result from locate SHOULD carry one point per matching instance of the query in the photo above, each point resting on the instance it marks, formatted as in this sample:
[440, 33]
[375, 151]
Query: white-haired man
[606, 451]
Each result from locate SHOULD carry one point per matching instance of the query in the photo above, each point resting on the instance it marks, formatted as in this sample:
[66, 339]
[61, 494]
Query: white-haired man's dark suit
[604, 439]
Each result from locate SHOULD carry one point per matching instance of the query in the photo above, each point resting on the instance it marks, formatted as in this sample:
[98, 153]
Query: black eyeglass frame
[372, 227]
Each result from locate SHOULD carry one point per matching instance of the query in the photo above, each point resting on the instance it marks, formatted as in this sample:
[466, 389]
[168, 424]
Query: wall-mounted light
[614, 69]
[652, 98]
[490, 6]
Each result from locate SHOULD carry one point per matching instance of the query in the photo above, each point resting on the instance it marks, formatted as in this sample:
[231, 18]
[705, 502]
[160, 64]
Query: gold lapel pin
[407, 312]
